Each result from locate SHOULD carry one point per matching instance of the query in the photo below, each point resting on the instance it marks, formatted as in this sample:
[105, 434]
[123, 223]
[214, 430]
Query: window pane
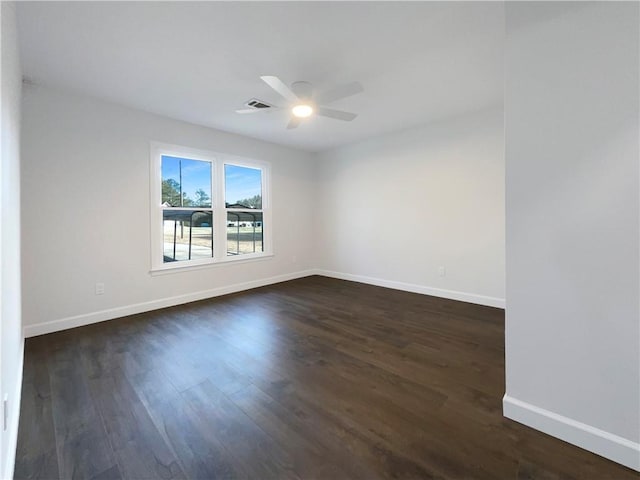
[185, 182]
[243, 187]
[188, 235]
[244, 232]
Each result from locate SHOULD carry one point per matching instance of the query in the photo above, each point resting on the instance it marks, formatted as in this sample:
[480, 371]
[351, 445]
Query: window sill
[165, 269]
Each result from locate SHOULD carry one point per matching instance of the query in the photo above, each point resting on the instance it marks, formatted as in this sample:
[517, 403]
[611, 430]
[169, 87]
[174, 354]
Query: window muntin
[193, 221]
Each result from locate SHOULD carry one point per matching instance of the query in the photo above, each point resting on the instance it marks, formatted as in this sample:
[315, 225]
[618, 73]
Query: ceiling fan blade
[340, 92]
[279, 86]
[293, 123]
[337, 114]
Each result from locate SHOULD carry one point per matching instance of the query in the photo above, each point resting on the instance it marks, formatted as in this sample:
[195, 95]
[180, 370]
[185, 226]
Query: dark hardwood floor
[313, 378]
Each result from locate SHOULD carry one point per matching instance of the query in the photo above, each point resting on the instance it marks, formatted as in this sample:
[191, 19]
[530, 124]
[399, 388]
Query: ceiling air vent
[257, 104]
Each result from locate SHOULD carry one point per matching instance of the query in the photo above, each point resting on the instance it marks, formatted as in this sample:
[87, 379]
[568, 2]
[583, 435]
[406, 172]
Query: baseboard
[16, 401]
[102, 315]
[585, 436]
[109, 314]
[414, 288]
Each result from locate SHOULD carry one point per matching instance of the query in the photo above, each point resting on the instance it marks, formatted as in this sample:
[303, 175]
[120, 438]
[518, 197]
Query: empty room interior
[320, 240]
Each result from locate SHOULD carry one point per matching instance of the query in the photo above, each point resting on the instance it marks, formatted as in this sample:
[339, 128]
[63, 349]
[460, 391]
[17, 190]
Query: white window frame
[218, 208]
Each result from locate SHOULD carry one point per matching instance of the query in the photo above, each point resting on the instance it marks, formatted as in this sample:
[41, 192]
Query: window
[206, 208]
[187, 216]
[243, 201]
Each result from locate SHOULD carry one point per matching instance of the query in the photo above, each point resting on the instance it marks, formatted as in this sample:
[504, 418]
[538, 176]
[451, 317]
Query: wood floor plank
[359, 439]
[311, 459]
[249, 444]
[140, 450]
[83, 450]
[199, 456]
[36, 455]
[315, 378]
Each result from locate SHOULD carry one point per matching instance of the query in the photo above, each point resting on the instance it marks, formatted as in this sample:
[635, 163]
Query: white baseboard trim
[585, 436]
[414, 288]
[102, 315]
[109, 314]
[14, 421]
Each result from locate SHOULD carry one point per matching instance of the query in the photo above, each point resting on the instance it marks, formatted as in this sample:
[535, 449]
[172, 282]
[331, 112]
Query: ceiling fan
[301, 100]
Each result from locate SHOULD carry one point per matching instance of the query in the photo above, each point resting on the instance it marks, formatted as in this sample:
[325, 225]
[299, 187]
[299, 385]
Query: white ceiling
[200, 61]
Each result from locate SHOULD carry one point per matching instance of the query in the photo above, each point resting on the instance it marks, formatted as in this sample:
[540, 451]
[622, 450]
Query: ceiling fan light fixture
[301, 101]
[302, 110]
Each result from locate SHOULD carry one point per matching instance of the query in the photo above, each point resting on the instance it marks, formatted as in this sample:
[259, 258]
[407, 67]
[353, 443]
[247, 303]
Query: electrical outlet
[99, 288]
[442, 271]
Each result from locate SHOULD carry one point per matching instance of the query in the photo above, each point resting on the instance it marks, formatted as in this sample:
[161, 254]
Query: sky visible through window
[241, 183]
[196, 176]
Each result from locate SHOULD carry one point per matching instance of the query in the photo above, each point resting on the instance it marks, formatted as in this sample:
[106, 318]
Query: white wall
[572, 171]
[85, 198]
[11, 344]
[393, 209]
